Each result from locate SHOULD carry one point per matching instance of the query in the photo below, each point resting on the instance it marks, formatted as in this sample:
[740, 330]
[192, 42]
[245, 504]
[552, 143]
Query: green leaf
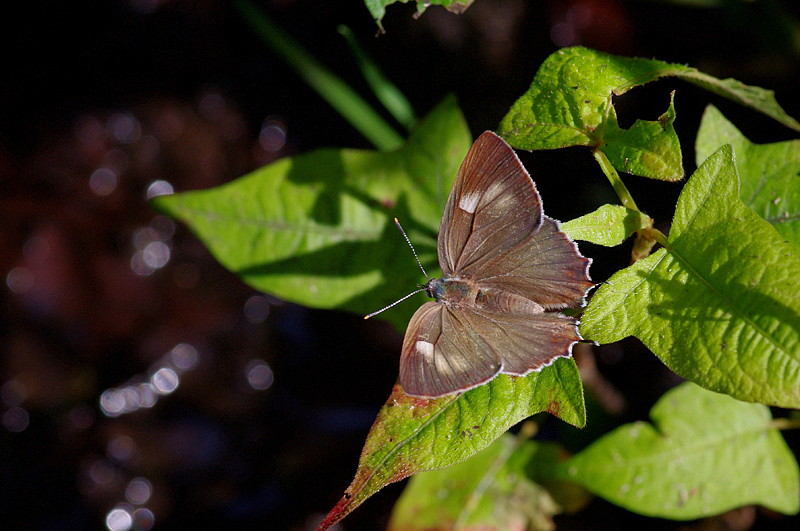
[756, 98]
[719, 305]
[411, 435]
[609, 225]
[649, 149]
[770, 173]
[488, 491]
[703, 454]
[377, 8]
[318, 230]
[570, 103]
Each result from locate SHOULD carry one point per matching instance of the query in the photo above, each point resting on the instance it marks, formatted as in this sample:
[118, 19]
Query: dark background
[180, 91]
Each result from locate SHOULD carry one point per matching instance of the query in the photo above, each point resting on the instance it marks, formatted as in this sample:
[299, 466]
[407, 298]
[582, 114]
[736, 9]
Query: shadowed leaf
[489, 491]
[318, 230]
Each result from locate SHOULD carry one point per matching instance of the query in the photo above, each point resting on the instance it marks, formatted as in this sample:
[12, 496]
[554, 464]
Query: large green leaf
[489, 491]
[318, 230]
[703, 454]
[719, 305]
[609, 225]
[413, 434]
[570, 103]
[770, 173]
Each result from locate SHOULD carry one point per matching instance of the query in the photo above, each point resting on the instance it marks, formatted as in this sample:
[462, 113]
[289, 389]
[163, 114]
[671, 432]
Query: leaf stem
[785, 424]
[332, 89]
[615, 180]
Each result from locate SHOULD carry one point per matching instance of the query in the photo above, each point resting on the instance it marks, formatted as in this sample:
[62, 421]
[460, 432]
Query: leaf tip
[339, 511]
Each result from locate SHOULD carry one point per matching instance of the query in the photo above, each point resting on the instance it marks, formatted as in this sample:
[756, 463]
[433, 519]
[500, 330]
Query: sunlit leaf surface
[719, 306]
[702, 454]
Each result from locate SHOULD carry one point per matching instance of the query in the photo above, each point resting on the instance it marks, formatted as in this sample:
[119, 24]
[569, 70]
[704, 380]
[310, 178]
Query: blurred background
[144, 386]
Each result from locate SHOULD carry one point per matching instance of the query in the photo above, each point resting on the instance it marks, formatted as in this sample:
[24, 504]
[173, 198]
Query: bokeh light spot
[119, 519]
[184, 356]
[259, 374]
[256, 309]
[163, 226]
[16, 419]
[156, 254]
[19, 279]
[112, 403]
[13, 393]
[121, 448]
[143, 519]
[124, 127]
[273, 135]
[165, 381]
[159, 187]
[138, 491]
[103, 181]
[563, 34]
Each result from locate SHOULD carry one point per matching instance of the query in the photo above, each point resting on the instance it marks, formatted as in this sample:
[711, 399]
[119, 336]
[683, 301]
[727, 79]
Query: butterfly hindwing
[525, 342]
[442, 354]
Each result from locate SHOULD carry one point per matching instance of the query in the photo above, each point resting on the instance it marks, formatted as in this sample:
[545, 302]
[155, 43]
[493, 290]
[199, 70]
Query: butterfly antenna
[408, 241]
[397, 222]
[395, 302]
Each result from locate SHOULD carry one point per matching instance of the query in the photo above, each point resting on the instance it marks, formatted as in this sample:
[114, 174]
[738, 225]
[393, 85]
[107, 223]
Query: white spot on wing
[425, 349]
[468, 202]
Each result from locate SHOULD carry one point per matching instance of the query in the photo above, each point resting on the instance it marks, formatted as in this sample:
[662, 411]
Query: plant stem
[614, 178]
[332, 89]
[387, 92]
[785, 424]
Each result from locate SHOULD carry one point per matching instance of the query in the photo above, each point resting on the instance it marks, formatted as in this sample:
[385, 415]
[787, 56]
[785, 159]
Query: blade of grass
[332, 89]
[387, 92]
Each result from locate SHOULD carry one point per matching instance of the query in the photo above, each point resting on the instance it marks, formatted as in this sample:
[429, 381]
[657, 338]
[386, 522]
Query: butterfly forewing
[439, 354]
[493, 205]
[546, 268]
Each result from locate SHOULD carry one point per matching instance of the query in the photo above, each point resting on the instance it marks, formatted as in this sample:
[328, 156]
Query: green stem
[659, 237]
[332, 89]
[387, 92]
[614, 178]
[785, 424]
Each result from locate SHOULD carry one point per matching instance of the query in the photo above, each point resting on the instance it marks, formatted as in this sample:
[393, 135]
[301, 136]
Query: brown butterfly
[508, 270]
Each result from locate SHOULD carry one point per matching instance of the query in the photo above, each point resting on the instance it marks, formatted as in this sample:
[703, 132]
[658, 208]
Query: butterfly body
[465, 293]
[508, 271]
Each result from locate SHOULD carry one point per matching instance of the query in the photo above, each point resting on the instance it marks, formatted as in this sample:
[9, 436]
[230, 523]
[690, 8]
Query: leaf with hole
[570, 103]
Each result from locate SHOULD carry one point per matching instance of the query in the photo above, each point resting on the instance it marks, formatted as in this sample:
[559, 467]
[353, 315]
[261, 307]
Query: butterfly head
[434, 287]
